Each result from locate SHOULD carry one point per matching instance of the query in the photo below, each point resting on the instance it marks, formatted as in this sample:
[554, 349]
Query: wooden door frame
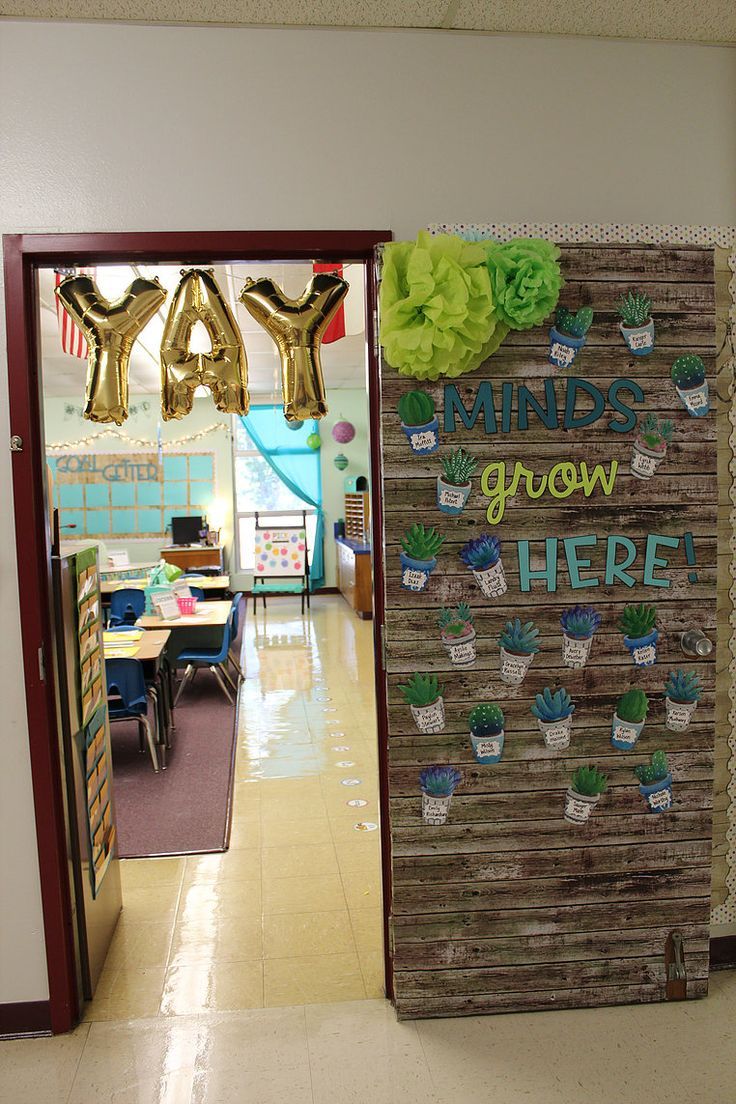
[23, 255]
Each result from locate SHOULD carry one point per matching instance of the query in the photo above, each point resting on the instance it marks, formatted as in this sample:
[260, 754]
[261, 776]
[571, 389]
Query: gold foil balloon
[224, 370]
[297, 326]
[110, 330]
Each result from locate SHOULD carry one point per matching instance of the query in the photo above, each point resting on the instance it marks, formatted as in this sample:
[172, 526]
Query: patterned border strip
[723, 237]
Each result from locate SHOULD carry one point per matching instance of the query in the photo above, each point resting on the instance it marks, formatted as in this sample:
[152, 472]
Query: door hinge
[384, 648]
[674, 961]
[41, 664]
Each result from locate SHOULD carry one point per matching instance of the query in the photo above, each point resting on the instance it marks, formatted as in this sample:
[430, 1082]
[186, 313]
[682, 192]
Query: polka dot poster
[280, 552]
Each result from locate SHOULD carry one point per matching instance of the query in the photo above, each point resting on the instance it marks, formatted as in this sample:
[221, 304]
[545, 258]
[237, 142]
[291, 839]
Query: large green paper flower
[437, 316]
[526, 280]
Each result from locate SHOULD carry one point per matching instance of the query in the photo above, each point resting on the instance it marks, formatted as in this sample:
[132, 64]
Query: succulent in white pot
[579, 623]
[681, 696]
[650, 446]
[458, 635]
[437, 783]
[423, 695]
[553, 710]
[583, 793]
[483, 556]
[519, 645]
[454, 486]
[628, 719]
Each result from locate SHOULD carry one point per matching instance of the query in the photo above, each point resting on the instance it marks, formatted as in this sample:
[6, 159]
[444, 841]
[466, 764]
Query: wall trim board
[25, 1018]
[23, 254]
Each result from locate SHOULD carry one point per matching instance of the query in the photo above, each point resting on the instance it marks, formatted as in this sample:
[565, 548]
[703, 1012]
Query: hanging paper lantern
[343, 432]
[341, 461]
[294, 425]
[314, 441]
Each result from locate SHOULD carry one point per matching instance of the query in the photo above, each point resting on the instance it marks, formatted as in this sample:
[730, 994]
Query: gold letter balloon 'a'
[297, 326]
[110, 330]
[224, 370]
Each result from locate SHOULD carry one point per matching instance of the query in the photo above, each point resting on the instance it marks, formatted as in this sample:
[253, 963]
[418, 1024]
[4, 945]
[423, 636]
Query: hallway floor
[357, 1053]
[291, 913]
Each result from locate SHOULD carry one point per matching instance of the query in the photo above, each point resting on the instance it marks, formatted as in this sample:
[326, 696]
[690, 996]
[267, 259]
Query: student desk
[150, 650]
[214, 586]
[197, 630]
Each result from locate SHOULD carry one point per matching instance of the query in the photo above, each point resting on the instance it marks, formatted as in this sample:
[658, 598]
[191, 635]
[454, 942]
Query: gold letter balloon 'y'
[297, 326]
[110, 330]
[224, 370]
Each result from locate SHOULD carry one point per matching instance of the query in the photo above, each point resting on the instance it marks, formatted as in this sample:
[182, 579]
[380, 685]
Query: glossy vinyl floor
[291, 914]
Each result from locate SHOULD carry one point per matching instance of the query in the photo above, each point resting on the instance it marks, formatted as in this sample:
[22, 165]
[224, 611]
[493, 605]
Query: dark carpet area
[184, 808]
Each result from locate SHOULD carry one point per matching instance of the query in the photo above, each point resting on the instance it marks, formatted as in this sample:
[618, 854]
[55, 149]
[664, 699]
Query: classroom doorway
[298, 849]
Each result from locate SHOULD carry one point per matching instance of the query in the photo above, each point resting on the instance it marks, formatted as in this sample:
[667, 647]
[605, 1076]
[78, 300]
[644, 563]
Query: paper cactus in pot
[637, 325]
[655, 783]
[638, 624]
[458, 635]
[553, 710]
[454, 486]
[483, 556]
[568, 335]
[688, 376]
[437, 783]
[579, 623]
[583, 793]
[419, 556]
[628, 719]
[681, 696]
[486, 732]
[423, 695]
[419, 422]
[650, 446]
[519, 645]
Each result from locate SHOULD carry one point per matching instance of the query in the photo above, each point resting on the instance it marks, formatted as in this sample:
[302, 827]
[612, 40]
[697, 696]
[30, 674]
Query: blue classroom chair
[126, 606]
[128, 699]
[194, 659]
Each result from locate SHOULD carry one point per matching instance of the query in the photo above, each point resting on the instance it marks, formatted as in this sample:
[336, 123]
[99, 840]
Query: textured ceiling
[706, 21]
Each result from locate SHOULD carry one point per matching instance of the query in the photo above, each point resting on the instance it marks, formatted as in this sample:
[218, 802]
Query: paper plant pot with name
[519, 645]
[419, 422]
[458, 635]
[419, 556]
[454, 486]
[437, 784]
[688, 376]
[568, 335]
[628, 719]
[579, 623]
[681, 696]
[655, 783]
[650, 446]
[486, 732]
[640, 634]
[637, 324]
[423, 695]
[483, 556]
[553, 710]
[583, 793]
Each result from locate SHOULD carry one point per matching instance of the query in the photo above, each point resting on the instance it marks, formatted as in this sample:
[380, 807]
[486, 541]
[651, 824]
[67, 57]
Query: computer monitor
[186, 530]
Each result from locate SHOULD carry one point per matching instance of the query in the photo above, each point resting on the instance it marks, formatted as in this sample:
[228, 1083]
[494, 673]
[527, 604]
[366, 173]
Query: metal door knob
[694, 642]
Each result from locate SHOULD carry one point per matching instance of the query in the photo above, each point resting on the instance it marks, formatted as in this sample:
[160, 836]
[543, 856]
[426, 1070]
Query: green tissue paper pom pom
[526, 280]
[437, 316]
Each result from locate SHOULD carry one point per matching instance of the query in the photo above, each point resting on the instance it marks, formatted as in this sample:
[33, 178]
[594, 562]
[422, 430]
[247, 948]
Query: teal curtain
[296, 465]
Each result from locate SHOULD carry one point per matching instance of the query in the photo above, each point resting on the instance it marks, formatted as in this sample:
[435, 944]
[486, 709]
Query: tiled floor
[291, 913]
[357, 1053]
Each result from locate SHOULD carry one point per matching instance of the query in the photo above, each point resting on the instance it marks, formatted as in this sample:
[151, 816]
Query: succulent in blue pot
[419, 422]
[638, 624]
[655, 783]
[568, 335]
[519, 645]
[637, 324]
[628, 719]
[681, 696]
[579, 623]
[423, 695]
[583, 793]
[553, 710]
[437, 783]
[483, 556]
[486, 732]
[454, 486]
[688, 376]
[419, 556]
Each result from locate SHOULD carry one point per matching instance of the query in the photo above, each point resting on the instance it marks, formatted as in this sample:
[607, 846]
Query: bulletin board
[516, 898]
[127, 495]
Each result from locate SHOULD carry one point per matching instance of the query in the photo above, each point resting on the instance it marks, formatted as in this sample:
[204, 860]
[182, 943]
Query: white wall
[105, 128]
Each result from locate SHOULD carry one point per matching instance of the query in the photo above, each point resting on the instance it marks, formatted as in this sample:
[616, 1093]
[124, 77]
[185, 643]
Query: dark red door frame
[23, 254]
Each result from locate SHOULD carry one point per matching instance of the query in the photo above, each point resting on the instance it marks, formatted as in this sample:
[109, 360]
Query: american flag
[72, 339]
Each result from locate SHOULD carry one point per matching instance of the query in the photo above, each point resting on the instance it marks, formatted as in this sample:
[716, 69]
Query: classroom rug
[186, 807]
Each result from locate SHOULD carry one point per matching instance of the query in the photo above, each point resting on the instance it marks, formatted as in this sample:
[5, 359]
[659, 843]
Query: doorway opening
[258, 882]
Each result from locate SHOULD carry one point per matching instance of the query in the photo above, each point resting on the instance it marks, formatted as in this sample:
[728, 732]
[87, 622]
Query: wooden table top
[207, 582]
[150, 646]
[208, 615]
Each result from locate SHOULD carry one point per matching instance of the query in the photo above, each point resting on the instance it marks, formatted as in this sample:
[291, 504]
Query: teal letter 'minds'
[483, 402]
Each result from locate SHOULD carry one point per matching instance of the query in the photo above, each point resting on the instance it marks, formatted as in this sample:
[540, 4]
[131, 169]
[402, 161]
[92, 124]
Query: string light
[140, 442]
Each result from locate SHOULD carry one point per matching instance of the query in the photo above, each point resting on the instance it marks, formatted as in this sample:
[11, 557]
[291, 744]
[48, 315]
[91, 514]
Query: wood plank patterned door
[507, 905]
